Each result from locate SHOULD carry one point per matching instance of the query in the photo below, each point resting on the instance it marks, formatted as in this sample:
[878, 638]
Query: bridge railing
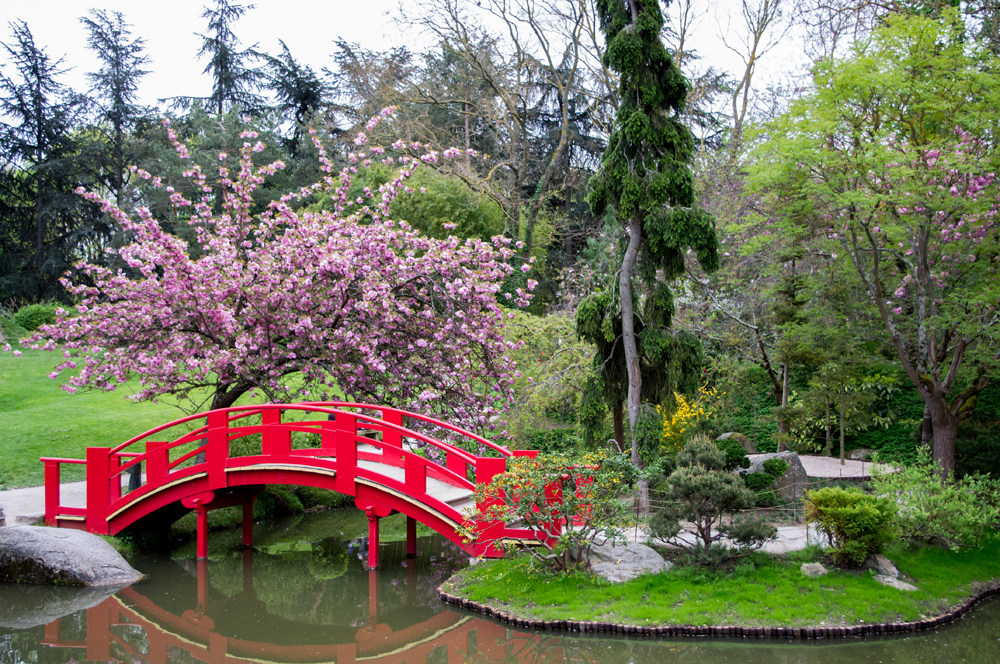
[345, 437]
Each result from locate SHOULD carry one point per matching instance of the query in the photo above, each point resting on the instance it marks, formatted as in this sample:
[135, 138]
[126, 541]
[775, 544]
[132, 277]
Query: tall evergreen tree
[299, 89]
[645, 177]
[234, 80]
[115, 86]
[44, 225]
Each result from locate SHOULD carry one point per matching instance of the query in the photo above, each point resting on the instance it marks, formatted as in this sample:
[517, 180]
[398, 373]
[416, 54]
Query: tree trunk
[782, 422]
[628, 330]
[945, 430]
[828, 450]
[631, 350]
[843, 422]
[618, 416]
[224, 397]
[926, 428]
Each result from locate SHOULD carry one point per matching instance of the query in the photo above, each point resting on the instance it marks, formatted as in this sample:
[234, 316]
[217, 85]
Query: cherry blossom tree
[293, 303]
[889, 157]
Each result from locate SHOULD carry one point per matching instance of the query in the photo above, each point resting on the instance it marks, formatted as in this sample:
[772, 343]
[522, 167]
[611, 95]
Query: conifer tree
[646, 179]
[234, 81]
[115, 86]
[46, 227]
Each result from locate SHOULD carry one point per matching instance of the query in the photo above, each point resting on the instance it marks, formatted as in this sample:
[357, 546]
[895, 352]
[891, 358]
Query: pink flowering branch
[293, 303]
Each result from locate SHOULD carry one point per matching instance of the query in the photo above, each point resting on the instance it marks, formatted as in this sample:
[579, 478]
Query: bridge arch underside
[166, 505]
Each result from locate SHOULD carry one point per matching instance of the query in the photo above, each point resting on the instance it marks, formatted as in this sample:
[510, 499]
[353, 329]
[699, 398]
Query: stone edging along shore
[729, 630]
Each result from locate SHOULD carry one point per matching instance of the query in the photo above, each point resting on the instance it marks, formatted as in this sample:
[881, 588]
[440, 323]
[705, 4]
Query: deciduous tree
[294, 304]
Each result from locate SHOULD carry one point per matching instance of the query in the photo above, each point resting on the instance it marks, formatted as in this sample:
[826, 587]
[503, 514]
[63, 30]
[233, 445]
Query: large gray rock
[881, 565]
[65, 557]
[623, 562]
[793, 484]
[813, 569]
[3, 518]
[893, 582]
[23, 606]
[745, 442]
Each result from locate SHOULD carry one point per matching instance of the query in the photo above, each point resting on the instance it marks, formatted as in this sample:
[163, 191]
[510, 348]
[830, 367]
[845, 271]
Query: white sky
[309, 27]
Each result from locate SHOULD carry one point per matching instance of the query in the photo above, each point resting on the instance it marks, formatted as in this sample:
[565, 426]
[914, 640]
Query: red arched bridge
[368, 452]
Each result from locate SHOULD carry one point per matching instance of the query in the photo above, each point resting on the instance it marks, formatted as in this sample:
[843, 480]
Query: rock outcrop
[793, 484]
[813, 569]
[29, 554]
[623, 562]
[881, 565]
[745, 442]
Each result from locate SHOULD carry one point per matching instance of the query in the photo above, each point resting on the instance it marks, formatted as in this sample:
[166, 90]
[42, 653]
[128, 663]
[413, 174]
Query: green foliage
[746, 403]
[10, 329]
[552, 374]
[329, 559]
[936, 508]
[736, 456]
[591, 494]
[760, 590]
[854, 523]
[668, 360]
[977, 448]
[33, 316]
[758, 481]
[560, 440]
[701, 494]
[775, 467]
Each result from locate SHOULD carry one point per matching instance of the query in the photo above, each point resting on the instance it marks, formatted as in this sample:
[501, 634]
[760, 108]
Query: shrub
[854, 523]
[33, 316]
[758, 481]
[765, 498]
[591, 494]
[736, 456]
[775, 467]
[701, 492]
[688, 417]
[932, 507]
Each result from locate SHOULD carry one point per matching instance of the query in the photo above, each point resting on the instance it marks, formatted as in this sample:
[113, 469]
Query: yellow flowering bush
[686, 417]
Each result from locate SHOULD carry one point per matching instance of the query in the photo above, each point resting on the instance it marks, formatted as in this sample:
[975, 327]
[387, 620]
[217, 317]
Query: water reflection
[304, 598]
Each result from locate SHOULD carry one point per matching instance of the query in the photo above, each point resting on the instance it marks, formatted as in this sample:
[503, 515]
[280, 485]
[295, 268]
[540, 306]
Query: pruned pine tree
[646, 179]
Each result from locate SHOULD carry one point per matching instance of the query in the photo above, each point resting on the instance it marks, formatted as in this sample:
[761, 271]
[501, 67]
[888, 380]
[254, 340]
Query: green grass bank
[761, 591]
[37, 419]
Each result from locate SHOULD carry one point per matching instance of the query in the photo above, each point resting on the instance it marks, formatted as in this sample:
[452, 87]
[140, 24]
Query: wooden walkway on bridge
[391, 461]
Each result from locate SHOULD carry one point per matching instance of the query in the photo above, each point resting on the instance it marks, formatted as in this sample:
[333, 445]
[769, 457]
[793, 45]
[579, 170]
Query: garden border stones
[868, 629]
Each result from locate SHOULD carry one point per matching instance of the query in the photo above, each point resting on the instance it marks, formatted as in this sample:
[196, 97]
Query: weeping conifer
[645, 177]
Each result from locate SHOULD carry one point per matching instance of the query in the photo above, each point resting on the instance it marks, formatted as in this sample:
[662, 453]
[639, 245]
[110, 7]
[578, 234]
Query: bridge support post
[372, 597]
[248, 522]
[411, 537]
[373, 526]
[202, 531]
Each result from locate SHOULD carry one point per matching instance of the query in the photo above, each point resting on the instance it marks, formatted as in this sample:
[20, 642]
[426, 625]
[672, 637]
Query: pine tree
[645, 177]
[115, 86]
[45, 226]
[299, 89]
[234, 81]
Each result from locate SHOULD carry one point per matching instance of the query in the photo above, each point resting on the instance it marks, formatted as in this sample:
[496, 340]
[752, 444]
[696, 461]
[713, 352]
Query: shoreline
[767, 632]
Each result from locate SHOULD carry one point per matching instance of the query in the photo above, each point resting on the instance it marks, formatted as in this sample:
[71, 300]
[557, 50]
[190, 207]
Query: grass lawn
[37, 419]
[760, 591]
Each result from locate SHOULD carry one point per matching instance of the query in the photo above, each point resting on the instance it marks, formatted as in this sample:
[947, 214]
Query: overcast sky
[309, 27]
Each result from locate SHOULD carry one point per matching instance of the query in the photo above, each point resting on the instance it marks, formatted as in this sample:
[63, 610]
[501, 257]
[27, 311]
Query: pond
[303, 595]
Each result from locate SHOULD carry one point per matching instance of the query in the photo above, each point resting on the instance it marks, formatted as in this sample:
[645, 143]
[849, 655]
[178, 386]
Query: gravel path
[821, 466]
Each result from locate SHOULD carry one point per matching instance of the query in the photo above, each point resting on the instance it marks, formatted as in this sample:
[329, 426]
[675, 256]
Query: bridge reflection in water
[131, 628]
